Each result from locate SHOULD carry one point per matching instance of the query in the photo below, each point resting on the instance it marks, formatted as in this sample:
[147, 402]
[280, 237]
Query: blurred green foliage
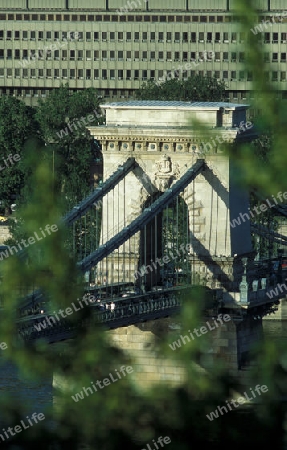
[121, 415]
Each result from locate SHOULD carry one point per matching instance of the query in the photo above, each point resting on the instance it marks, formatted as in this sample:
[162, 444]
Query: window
[217, 56]
[144, 76]
[233, 57]
[137, 55]
[104, 36]
[225, 56]
[64, 73]
[112, 55]
[1, 73]
[168, 56]
[112, 35]
[25, 73]
[56, 35]
[1, 53]
[242, 37]
[88, 55]
[72, 55]
[225, 37]
[275, 38]
[266, 57]
[193, 37]
[201, 36]
[274, 57]
[249, 76]
[9, 73]
[241, 56]
[17, 35]
[233, 37]
[168, 36]
[274, 76]
[184, 56]
[48, 35]
[267, 38]
[192, 56]
[72, 73]
[144, 56]
[137, 36]
[241, 75]
[129, 74]
[9, 35]
[283, 57]
[176, 37]
[80, 74]
[120, 55]
[152, 36]
[184, 37]
[64, 55]
[129, 36]
[152, 74]
[137, 74]
[217, 74]
[25, 35]
[96, 55]
[283, 38]
[17, 54]
[282, 76]
[88, 74]
[144, 36]
[9, 54]
[41, 73]
[33, 73]
[209, 37]
[49, 73]
[40, 35]
[160, 56]
[233, 75]
[217, 37]
[96, 74]
[104, 55]
[17, 73]
[152, 56]
[211, 19]
[177, 56]
[129, 55]
[120, 74]
[88, 36]
[57, 55]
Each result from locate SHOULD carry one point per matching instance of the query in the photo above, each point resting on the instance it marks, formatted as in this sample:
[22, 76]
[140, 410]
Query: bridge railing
[156, 304]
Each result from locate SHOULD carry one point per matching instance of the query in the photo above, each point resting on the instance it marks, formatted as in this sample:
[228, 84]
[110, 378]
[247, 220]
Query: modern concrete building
[116, 45]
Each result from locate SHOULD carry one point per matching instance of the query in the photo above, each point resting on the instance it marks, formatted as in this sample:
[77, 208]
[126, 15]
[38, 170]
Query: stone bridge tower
[166, 138]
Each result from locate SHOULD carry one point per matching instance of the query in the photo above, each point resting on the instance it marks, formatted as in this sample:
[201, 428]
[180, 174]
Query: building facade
[116, 45]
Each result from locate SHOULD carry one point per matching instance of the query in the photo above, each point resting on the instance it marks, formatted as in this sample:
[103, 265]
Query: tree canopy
[196, 88]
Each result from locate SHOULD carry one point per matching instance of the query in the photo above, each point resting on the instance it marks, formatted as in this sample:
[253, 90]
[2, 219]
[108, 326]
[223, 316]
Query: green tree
[17, 123]
[63, 118]
[196, 88]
